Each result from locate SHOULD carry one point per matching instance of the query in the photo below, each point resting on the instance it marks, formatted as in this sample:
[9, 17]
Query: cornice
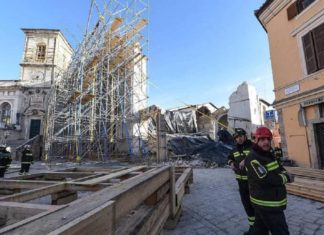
[272, 10]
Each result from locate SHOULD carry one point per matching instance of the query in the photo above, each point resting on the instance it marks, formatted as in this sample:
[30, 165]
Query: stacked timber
[309, 183]
[136, 200]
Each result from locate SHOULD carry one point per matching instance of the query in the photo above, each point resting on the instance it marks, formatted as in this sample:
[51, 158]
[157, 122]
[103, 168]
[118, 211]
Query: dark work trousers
[2, 171]
[245, 198]
[24, 167]
[273, 221]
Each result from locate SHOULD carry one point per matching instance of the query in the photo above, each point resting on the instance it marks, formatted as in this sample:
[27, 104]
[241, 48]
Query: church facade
[23, 102]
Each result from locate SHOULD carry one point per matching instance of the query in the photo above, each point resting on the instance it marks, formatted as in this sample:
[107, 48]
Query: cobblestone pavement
[214, 207]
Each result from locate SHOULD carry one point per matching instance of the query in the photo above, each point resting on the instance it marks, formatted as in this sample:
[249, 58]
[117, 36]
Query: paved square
[214, 207]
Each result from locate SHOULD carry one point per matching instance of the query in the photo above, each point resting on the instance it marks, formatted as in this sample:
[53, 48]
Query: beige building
[296, 38]
[23, 102]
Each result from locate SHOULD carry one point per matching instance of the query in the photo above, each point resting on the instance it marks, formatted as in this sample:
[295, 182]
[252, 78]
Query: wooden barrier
[309, 183]
[138, 200]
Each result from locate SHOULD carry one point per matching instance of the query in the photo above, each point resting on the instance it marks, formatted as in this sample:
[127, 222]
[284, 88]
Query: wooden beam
[35, 193]
[162, 218]
[111, 176]
[128, 195]
[180, 185]
[11, 227]
[172, 193]
[134, 220]
[23, 184]
[160, 210]
[98, 221]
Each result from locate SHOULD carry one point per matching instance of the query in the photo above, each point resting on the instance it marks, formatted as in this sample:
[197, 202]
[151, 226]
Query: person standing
[267, 179]
[5, 160]
[236, 161]
[26, 160]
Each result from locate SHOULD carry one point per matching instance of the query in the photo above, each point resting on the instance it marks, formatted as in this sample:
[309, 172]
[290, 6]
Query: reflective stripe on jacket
[267, 179]
[238, 154]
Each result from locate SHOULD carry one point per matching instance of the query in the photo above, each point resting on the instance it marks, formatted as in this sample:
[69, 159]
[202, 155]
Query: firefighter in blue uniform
[5, 160]
[26, 160]
[267, 179]
[236, 161]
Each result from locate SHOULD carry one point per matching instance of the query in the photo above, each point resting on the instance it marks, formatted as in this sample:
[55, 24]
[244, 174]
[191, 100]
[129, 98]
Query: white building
[246, 109]
[23, 102]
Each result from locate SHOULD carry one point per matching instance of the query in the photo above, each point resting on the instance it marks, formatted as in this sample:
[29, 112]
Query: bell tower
[46, 52]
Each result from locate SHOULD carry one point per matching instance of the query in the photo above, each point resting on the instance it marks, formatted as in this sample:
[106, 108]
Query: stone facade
[23, 102]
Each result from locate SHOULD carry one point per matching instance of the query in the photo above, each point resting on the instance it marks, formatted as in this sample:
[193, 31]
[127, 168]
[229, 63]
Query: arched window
[5, 113]
[303, 4]
[41, 52]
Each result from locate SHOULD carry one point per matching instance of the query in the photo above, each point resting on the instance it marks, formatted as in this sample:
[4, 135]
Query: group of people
[5, 159]
[261, 180]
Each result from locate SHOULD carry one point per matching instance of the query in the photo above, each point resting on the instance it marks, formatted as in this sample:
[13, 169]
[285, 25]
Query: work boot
[250, 231]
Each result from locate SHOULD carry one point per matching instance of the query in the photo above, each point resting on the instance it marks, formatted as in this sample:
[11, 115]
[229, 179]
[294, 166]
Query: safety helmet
[263, 132]
[239, 132]
[27, 146]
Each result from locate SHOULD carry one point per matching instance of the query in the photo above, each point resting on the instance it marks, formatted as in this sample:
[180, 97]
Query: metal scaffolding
[94, 105]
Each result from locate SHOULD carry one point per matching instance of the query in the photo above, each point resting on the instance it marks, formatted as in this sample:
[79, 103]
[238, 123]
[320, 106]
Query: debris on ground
[198, 150]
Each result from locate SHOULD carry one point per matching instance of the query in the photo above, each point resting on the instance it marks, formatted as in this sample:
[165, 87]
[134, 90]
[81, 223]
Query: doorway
[319, 134]
[34, 128]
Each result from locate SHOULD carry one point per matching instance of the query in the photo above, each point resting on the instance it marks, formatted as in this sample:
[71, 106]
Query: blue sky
[199, 51]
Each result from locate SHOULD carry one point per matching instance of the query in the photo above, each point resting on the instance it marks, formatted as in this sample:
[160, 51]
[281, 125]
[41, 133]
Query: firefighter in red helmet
[267, 179]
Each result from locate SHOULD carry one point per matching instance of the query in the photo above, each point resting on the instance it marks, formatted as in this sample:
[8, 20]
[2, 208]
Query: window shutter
[292, 11]
[309, 52]
[318, 33]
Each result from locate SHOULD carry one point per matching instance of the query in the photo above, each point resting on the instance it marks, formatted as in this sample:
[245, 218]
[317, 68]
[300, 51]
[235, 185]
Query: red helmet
[263, 132]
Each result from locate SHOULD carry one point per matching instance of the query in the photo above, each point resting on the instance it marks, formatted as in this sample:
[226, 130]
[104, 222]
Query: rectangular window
[303, 4]
[297, 7]
[313, 43]
[41, 51]
[321, 110]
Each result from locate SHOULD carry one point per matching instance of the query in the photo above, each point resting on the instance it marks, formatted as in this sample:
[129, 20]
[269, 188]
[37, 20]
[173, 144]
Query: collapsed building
[190, 132]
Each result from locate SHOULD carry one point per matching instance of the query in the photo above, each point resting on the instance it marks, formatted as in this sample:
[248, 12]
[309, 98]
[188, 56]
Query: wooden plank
[130, 223]
[98, 221]
[158, 226]
[7, 229]
[111, 176]
[181, 185]
[14, 212]
[127, 201]
[27, 206]
[93, 188]
[158, 195]
[19, 184]
[129, 194]
[161, 209]
[172, 193]
[306, 172]
[35, 193]
[183, 179]
[88, 177]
